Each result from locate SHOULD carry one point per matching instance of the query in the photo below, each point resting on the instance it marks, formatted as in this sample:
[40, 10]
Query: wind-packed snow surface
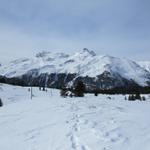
[84, 63]
[50, 122]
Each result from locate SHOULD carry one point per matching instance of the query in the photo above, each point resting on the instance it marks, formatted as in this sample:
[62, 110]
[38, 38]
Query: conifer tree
[79, 89]
[1, 103]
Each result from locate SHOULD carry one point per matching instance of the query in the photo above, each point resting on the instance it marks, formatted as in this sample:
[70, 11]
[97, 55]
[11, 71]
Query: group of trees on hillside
[122, 90]
[79, 90]
[92, 86]
[136, 96]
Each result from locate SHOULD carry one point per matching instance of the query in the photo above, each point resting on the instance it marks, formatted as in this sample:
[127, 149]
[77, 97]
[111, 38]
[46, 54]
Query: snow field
[49, 122]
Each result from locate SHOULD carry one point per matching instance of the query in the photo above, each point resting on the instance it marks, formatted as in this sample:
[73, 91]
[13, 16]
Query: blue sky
[116, 27]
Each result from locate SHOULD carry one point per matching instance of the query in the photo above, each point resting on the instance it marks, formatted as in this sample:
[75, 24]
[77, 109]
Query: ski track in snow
[54, 123]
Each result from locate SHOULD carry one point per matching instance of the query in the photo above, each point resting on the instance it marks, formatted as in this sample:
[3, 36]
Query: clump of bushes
[134, 97]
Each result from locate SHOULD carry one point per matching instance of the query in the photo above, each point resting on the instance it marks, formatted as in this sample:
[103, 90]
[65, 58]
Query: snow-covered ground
[49, 122]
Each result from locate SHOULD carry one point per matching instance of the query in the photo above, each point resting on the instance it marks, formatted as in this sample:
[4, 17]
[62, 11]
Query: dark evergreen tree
[79, 89]
[43, 88]
[143, 98]
[96, 94]
[131, 97]
[137, 96]
[137, 93]
[125, 98]
[1, 103]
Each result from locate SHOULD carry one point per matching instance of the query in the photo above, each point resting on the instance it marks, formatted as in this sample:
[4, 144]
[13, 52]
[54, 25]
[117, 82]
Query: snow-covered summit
[92, 53]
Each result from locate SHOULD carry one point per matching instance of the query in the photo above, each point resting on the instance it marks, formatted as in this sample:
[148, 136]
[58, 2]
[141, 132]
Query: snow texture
[50, 122]
[145, 64]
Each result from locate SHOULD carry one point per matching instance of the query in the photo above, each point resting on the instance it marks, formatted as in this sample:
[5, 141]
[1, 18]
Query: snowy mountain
[94, 69]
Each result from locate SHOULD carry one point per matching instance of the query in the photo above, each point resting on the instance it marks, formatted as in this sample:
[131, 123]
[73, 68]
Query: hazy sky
[116, 27]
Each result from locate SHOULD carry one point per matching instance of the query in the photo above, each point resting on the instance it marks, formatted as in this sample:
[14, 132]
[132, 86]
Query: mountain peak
[89, 51]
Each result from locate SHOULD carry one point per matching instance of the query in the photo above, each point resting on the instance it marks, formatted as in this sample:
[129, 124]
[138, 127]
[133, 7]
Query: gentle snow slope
[49, 122]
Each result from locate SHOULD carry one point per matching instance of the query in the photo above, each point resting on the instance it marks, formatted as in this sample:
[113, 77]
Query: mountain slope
[145, 65]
